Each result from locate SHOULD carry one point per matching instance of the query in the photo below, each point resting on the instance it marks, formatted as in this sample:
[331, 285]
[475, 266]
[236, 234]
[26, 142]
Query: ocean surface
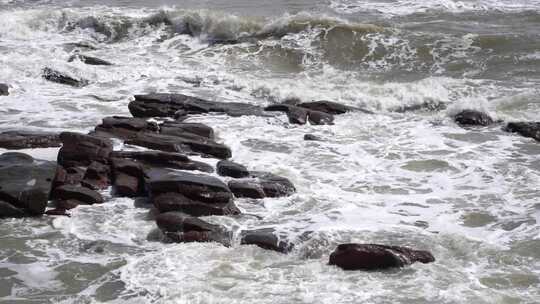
[406, 175]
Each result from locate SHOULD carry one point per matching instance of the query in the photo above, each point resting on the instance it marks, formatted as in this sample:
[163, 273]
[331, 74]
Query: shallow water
[410, 178]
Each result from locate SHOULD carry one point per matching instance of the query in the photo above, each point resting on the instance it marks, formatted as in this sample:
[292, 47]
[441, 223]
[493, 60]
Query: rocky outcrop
[157, 159]
[232, 169]
[266, 238]
[180, 128]
[128, 178]
[167, 105]
[62, 78]
[79, 194]
[81, 150]
[125, 127]
[14, 140]
[300, 115]
[180, 227]
[473, 118]
[193, 194]
[25, 185]
[97, 176]
[88, 60]
[261, 185]
[527, 129]
[375, 257]
[4, 89]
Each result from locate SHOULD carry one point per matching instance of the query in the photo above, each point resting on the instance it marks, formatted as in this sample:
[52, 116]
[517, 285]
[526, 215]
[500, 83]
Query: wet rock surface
[4, 89]
[15, 140]
[62, 78]
[261, 185]
[159, 159]
[266, 238]
[473, 118]
[80, 194]
[376, 257]
[88, 60]
[180, 227]
[81, 150]
[300, 116]
[526, 129]
[25, 184]
[232, 169]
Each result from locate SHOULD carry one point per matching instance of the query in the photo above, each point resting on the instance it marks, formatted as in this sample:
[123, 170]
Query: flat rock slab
[164, 160]
[527, 129]
[25, 184]
[232, 169]
[328, 107]
[89, 60]
[473, 118]
[181, 128]
[266, 238]
[167, 202]
[375, 257]
[167, 105]
[180, 227]
[81, 150]
[15, 140]
[262, 184]
[125, 127]
[201, 188]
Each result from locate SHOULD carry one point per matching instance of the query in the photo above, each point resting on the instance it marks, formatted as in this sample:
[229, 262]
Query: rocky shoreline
[153, 162]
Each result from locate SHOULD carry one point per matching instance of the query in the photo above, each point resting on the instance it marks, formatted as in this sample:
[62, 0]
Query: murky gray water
[415, 178]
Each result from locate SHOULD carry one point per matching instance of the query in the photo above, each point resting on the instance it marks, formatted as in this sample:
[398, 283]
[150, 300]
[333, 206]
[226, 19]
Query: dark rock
[266, 238]
[274, 185]
[79, 45]
[4, 89]
[167, 202]
[373, 256]
[527, 129]
[232, 169]
[320, 118]
[181, 227]
[89, 60]
[180, 128]
[79, 194]
[429, 106]
[246, 188]
[81, 150]
[126, 127]
[328, 107]
[201, 188]
[164, 159]
[300, 116]
[473, 118]
[97, 176]
[61, 78]
[69, 176]
[25, 184]
[8, 210]
[28, 140]
[57, 212]
[67, 204]
[186, 143]
[128, 178]
[166, 105]
[311, 137]
[297, 115]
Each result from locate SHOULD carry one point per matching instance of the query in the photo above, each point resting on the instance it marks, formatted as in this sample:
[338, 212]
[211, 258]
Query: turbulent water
[411, 178]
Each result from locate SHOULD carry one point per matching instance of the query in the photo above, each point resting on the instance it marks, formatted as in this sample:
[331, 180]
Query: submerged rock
[88, 60]
[266, 238]
[473, 118]
[25, 184]
[328, 107]
[167, 105]
[311, 137]
[180, 227]
[373, 256]
[261, 185]
[62, 78]
[300, 115]
[232, 169]
[4, 89]
[527, 129]
[81, 150]
[28, 140]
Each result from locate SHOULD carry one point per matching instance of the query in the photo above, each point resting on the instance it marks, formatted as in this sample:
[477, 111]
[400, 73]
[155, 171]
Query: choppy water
[412, 178]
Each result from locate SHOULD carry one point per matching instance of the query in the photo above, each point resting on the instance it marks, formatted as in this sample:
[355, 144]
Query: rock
[25, 184]
[57, 212]
[320, 118]
[181, 227]
[81, 150]
[473, 118]
[266, 238]
[97, 176]
[186, 143]
[429, 106]
[128, 178]
[164, 159]
[126, 127]
[373, 256]
[79, 194]
[232, 169]
[69, 176]
[527, 129]
[4, 89]
[179, 129]
[14, 140]
[61, 78]
[71, 46]
[167, 202]
[89, 60]
[300, 116]
[166, 105]
[67, 204]
[311, 137]
[328, 107]
[201, 188]
[246, 188]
